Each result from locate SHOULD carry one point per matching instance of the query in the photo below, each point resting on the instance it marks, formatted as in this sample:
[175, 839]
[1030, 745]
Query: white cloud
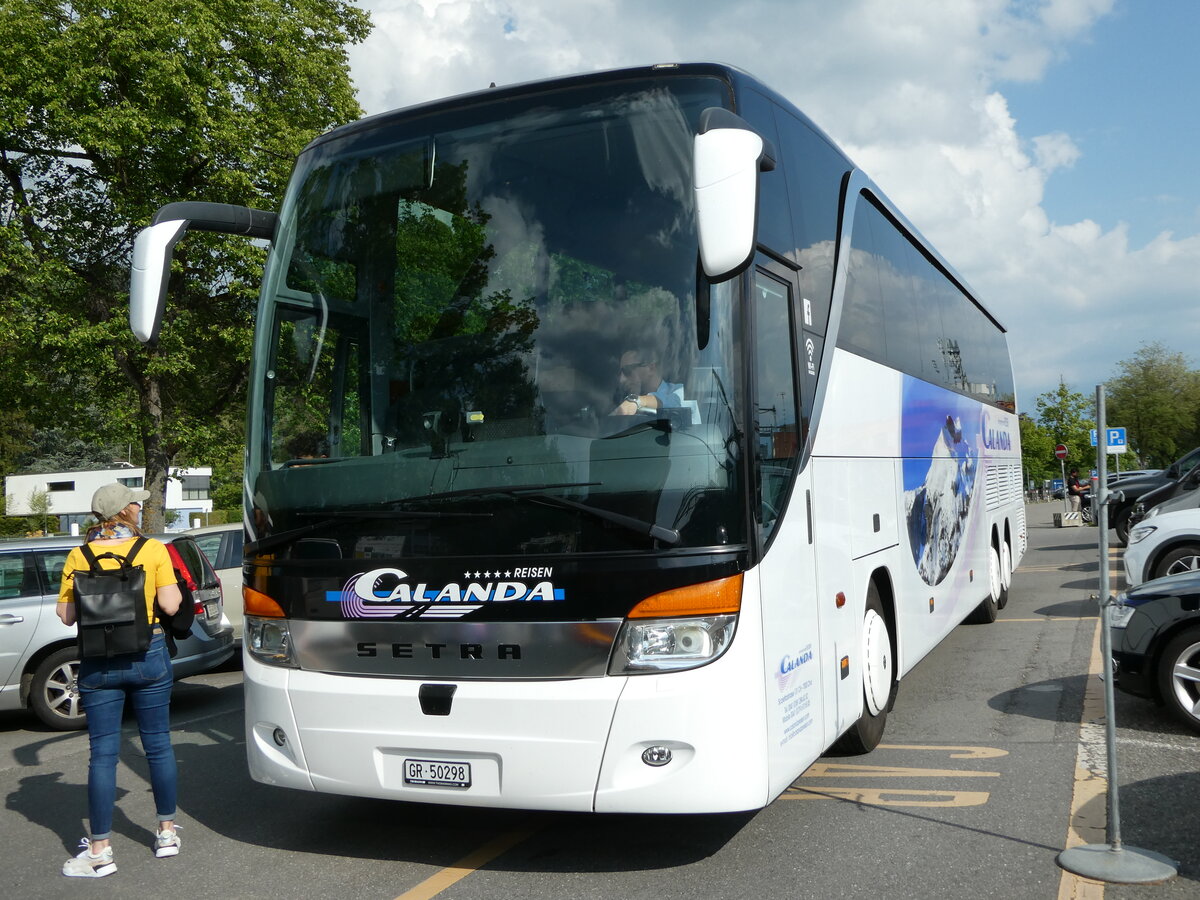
[913, 91]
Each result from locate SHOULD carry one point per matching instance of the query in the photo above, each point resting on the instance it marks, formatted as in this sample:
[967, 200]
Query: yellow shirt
[153, 558]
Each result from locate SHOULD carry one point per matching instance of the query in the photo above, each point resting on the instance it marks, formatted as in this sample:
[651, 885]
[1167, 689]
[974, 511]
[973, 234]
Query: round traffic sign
[1060, 451]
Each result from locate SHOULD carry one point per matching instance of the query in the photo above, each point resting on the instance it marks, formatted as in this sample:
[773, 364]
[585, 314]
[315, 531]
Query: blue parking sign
[1115, 441]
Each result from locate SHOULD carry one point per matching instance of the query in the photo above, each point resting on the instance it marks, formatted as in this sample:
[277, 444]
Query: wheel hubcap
[1186, 564]
[1185, 680]
[877, 662]
[994, 575]
[62, 691]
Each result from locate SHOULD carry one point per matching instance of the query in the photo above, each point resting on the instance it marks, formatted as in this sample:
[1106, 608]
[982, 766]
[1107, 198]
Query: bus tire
[985, 613]
[879, 679]
[1005, 572]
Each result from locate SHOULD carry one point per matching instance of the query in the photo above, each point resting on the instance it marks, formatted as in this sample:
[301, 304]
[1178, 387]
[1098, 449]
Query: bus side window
[777, 432]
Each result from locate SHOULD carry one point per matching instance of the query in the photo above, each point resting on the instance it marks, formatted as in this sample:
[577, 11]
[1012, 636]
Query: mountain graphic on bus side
[937, 509]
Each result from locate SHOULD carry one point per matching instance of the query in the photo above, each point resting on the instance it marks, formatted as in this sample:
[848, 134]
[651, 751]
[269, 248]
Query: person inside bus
[643, 387]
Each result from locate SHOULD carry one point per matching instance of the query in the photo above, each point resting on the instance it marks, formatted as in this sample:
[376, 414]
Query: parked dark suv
[1133, 489]
[39, 661]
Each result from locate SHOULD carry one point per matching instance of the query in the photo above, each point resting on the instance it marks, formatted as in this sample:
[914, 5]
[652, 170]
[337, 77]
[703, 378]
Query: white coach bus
[613, 445]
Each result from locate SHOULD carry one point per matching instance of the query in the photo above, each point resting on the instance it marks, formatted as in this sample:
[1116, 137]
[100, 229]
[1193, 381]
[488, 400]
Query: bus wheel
[879, 680]
[985, 612]
[1005, 573]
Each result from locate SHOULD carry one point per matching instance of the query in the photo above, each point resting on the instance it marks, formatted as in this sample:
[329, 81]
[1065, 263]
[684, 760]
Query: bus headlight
[661, 645]
[270, 641]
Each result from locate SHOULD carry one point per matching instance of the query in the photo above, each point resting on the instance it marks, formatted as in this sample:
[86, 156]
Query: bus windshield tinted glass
[458, 307]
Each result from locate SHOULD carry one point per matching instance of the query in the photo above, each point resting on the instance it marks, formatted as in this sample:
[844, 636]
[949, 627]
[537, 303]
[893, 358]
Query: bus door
[791, 638]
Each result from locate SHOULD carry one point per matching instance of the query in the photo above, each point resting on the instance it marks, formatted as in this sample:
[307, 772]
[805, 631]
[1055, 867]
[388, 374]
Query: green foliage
[1037, 452]
[107, 111]
[1156, 397]
[13, 526]
[58, 450]
[40, 507]
[1067, 417]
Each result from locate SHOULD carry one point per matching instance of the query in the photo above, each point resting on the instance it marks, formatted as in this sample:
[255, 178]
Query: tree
[107, 111]
[1068, 418]
[1156, 397]
[40, 505]
[1037, 451]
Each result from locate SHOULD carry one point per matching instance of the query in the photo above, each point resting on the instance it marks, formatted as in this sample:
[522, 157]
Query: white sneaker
[85, 865]
[166, 843]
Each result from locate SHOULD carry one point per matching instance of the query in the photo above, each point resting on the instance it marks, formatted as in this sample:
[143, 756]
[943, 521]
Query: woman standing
[105, 683]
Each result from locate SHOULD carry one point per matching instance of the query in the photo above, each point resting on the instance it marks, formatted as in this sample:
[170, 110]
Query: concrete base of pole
[1121, 865]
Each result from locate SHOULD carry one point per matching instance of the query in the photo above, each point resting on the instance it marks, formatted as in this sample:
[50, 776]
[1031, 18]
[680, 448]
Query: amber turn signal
[708, 599]
[256, 603]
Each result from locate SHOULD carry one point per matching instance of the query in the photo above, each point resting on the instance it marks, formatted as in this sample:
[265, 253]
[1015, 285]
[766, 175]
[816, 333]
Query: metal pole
[1110, 730]
[1113, 861]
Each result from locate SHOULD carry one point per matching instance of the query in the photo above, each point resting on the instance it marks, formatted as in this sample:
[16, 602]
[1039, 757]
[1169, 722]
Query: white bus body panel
[858, 474]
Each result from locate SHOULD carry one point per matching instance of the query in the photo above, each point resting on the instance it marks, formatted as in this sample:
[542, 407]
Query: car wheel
[1179, 676]
[54, 691]
[1181, 559]
[879, 680]
[1120, 524]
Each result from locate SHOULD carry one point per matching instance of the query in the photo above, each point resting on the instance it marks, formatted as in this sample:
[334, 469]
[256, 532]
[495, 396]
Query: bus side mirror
[153, 247]
[727, 155]
[148, 277]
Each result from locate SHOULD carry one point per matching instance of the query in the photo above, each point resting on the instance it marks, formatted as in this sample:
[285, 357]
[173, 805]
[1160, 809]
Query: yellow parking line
[476, 859]
[840, 770]
[889, 796]
[1090, 790]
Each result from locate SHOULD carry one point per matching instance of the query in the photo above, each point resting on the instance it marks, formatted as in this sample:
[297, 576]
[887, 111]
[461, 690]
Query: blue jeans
[146, 679]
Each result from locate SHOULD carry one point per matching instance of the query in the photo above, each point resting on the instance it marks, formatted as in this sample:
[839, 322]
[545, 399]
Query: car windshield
[458, 306]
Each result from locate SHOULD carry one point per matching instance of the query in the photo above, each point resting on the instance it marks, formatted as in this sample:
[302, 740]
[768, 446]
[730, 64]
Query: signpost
[1061, 452]
[1115, 861]
[1115, 443]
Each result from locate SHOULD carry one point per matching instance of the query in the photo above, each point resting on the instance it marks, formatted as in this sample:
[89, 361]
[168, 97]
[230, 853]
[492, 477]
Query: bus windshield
[482, 331]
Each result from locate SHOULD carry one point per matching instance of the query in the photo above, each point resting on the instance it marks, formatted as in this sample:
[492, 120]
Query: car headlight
[1141, 532]
[1120, 614]
[270, 641]
[661, 645]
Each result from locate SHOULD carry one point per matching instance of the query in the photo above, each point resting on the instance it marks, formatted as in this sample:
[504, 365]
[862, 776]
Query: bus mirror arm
[727, 155]
[154, 246]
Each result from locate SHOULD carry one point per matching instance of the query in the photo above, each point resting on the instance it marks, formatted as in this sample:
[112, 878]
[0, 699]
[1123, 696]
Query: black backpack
[111, 605]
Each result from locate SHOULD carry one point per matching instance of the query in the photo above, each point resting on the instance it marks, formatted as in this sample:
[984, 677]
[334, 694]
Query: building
[70, 493]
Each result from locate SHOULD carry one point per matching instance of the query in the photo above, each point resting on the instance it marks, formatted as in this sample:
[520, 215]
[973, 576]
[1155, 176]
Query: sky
[1047, 148]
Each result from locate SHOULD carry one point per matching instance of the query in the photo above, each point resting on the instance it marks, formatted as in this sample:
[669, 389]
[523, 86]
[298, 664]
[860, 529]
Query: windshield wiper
[336, 517]
[535, 493]
[511, 489]
[650, 529]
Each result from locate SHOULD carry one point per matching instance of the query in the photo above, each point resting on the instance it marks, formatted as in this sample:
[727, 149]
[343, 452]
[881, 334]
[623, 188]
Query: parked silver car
[39, 661]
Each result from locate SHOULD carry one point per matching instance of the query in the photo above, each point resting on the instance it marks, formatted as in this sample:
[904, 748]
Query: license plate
[437, 773]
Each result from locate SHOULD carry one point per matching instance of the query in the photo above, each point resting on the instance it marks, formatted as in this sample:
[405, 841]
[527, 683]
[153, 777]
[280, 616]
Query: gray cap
[112, 498]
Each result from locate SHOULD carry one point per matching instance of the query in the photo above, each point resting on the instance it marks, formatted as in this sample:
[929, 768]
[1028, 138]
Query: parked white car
[222, 544]
[1163, 543]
